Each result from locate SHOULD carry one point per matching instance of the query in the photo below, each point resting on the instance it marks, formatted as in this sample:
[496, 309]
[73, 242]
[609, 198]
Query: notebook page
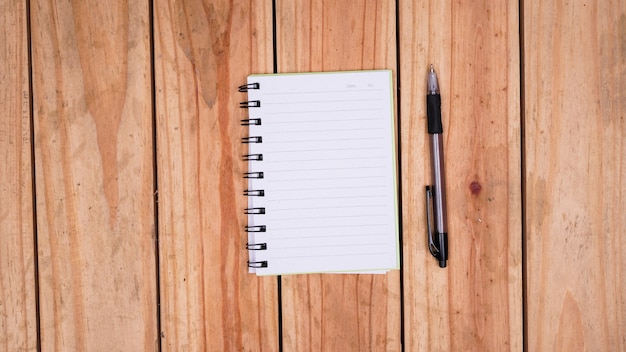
[329, 173]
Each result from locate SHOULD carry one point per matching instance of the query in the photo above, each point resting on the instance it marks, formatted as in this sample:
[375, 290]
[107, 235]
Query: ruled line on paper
[331, 255]
[326, 130]
[334, 235]
[328, 168]
[319, 101]
[283, 141]
[328, 178]
[332, 217]
[360, 244]
[324, 91]
[300, 198]
[295, 189]
[327, 208]
[322, 150]
[297, 112]
[326, 227]
[343, 119]
[339, 207]
[324, 159]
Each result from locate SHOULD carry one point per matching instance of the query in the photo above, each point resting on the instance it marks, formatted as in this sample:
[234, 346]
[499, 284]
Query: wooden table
[121, 191]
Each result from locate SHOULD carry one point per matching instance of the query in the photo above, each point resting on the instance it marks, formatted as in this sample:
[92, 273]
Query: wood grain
[18, 320]
[338, 312]
[476, 303]
[203, 51]
[94, 175]
[575, 155]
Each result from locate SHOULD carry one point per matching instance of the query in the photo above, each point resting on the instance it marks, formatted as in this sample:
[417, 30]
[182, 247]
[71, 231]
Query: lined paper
[330, 193]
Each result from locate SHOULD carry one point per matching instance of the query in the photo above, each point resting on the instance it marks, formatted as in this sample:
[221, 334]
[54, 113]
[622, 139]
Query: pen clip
[432, 247]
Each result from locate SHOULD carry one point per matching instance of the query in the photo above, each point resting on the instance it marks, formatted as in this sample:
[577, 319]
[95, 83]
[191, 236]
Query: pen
[436, 193]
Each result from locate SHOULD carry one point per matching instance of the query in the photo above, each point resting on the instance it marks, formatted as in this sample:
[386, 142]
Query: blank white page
[329, 173]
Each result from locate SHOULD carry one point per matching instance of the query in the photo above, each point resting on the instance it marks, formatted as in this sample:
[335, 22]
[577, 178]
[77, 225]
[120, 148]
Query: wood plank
[575, 84]
[94, 175]
[203, 52]
[475, 303]
[338, 312]
[18, 320]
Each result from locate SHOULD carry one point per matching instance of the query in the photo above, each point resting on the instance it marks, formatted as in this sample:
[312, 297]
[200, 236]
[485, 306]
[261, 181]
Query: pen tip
[433, 86]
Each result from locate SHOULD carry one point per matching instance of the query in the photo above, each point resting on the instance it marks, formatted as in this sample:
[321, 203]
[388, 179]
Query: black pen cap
[433, 111]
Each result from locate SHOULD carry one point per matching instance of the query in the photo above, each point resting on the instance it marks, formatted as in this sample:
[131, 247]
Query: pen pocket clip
[432, 247]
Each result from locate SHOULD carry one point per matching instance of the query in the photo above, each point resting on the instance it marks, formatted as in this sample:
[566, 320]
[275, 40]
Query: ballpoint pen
[436, 193]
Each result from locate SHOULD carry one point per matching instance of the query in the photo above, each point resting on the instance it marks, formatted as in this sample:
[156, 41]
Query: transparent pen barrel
[439, 183]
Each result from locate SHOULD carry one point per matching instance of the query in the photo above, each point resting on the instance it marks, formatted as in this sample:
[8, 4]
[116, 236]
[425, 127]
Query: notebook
[322, 176]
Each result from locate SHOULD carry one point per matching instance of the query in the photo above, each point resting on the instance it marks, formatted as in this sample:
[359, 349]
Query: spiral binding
[251, 122]
[256, 228]
[253, 175]
[256, 157]
[247, 87]
[254, 211]
[250, 104]
[256, 246]
[254, 192]
[261, 264]
[254, 139]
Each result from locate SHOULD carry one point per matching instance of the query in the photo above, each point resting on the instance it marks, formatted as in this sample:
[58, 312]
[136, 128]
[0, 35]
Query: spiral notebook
[322, 176]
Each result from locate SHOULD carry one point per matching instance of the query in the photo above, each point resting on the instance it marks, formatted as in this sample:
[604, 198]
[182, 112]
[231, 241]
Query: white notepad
[322, 176]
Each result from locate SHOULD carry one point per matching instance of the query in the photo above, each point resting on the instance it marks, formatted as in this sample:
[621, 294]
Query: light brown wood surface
[575, 103]
[203, 52]
[94, 175]
[18, 305]
[343, 312]
[136, 137]
[476, 303]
